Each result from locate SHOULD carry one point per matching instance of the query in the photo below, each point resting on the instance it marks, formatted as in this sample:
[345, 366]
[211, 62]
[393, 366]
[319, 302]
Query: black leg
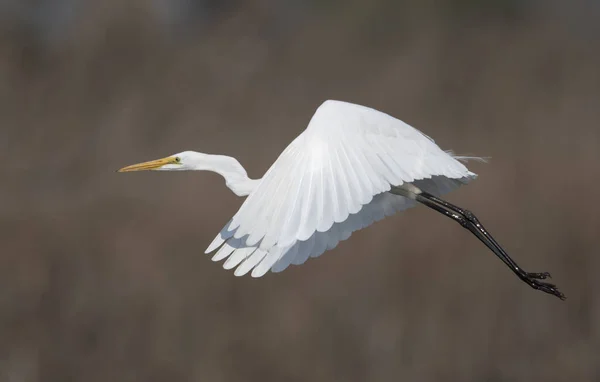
[473, 219]
[469, 221]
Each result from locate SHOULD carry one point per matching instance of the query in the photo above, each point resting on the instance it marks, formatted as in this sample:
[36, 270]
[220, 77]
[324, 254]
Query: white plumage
[352, 166]
[330, 181]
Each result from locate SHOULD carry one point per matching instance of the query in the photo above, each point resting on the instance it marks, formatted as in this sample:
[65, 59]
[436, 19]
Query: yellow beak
[151, 165]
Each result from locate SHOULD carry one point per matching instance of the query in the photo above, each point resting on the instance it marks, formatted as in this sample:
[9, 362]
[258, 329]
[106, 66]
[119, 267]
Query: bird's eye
[177, 159]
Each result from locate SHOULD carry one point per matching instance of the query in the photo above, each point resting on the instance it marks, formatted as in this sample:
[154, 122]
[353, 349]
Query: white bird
[352, 166]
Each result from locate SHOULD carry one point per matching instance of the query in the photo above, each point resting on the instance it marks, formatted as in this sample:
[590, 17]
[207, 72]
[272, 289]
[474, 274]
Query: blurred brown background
[103, 277]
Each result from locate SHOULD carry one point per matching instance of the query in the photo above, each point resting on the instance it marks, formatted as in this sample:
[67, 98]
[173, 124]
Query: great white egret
[352, 166]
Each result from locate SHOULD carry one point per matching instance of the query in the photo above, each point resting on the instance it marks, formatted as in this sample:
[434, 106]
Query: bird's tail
[466, 158]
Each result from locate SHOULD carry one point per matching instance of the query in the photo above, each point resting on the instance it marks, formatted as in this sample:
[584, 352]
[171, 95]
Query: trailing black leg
[469, 221]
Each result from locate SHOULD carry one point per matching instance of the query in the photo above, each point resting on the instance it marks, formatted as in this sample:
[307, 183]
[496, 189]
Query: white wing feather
[329, 182]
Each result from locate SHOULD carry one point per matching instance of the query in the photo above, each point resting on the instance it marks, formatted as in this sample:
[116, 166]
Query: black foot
[535, 283]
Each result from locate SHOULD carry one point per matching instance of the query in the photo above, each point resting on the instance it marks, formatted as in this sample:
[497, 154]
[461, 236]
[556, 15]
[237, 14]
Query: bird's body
[332, 180]
[352, 166]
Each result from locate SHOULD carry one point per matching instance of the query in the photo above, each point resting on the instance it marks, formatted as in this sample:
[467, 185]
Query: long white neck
[236, 178]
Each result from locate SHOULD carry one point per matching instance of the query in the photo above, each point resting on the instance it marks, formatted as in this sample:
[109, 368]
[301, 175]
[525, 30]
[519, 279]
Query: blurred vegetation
[102, 276]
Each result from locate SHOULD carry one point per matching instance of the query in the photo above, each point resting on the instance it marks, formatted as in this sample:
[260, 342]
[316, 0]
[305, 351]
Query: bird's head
[186, 160]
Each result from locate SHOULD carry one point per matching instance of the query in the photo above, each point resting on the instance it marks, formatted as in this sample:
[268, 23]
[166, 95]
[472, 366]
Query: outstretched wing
[329, 182]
